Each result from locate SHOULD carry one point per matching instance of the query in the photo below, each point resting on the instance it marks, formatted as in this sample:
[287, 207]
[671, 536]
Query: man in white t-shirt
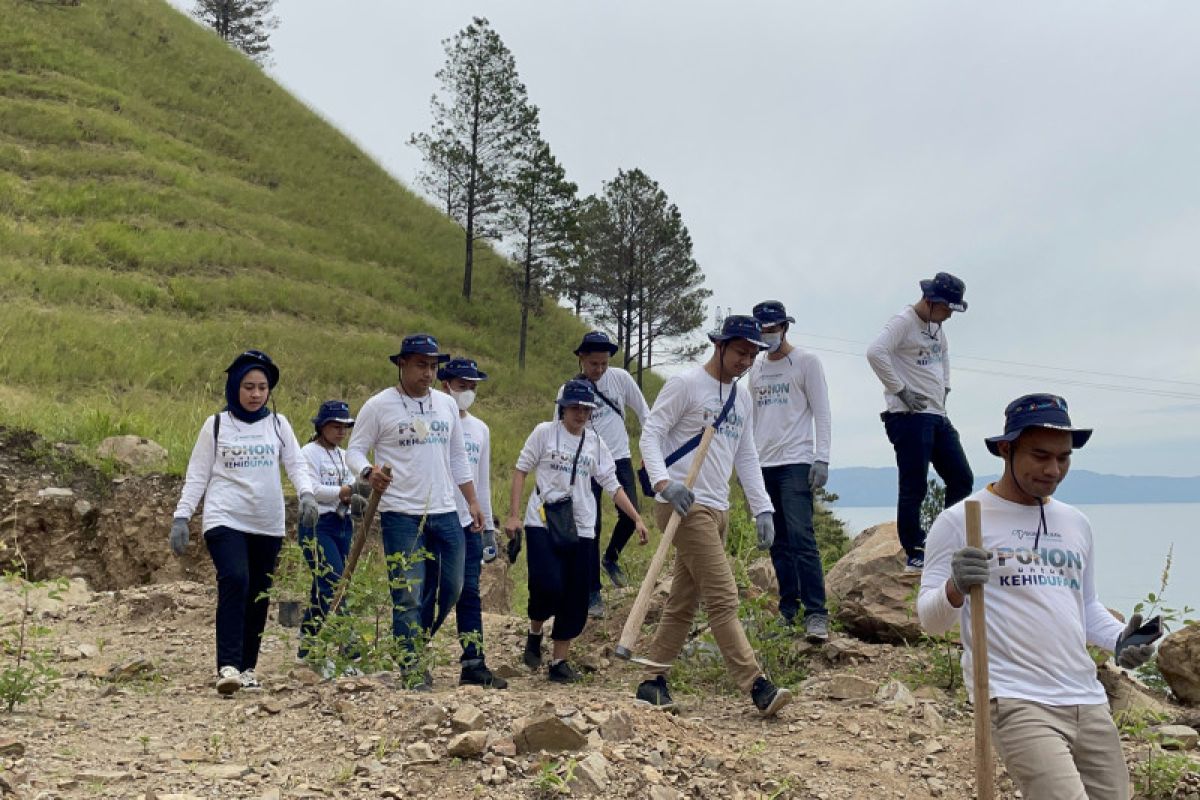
[416, 430]
[617, 393]
[1050, 715]
[460, 378]
[792, 433]
[911, 357]
[688, 403]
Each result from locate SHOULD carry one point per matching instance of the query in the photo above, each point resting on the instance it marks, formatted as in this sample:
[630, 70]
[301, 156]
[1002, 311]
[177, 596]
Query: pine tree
[478, 118]
[245, 24]
[539, 218]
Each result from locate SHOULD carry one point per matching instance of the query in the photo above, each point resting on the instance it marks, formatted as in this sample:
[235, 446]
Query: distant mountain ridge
[876, 486]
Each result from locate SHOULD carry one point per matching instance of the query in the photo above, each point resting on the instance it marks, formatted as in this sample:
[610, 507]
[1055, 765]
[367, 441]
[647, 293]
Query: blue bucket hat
[577, 392]
[947, 289]
[739, 326]
[1037, 411]
[596, 342]
[333, 411]
[254, 359]
[464, 368]
[419, 344]
[771, 312]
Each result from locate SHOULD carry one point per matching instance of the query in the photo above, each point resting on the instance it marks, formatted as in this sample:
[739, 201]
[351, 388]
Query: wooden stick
[356, 547]
[637, 614]
[985, 777]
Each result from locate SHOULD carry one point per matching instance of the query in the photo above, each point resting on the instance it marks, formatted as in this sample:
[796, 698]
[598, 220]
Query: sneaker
[768, 699]
[914, 564]
[595, 605]
[655, 692]
[816, 628]
[476, 673]
[250, 682]
[615, 574]
[533, 651]
[561, 672]
[229, 680]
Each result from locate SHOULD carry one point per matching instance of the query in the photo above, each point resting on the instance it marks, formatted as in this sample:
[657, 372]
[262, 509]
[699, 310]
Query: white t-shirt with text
[547, 458]
[791, 409]
[329, 472]
[622, 390]
[477, 440]
[914, 354]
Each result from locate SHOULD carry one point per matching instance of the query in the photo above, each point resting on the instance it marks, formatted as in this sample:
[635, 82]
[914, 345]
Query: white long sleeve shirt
[687, 404]
[477, 439]
[237, 475]
[791, 402]
[1042, 609]
[422, 441]
[914, 354]
[548, 455]
[619, 387]
[329, 472]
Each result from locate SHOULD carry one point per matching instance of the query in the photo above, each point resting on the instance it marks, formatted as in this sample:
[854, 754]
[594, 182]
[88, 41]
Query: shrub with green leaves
[26, 658]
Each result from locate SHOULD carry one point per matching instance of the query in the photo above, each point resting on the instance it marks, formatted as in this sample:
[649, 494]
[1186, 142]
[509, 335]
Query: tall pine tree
[245, 24]
[478, 117]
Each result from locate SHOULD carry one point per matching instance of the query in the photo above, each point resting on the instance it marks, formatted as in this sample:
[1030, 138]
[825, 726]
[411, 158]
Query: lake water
[1131, 549]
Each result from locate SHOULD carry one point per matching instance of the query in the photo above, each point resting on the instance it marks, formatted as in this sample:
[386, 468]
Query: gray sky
[832, 154]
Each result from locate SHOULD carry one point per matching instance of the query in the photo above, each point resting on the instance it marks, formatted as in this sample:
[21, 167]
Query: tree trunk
[472, 186]
[526, 301]
[641, 334]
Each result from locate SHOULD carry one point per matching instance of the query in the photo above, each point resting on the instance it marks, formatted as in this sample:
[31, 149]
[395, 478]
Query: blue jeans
[245, 563]
[424, 582]
[469, 611]
[795, 554]
[325, 548]
[920, 440]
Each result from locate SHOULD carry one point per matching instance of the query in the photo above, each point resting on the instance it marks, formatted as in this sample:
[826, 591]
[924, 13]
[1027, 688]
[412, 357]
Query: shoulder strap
[694, 442]
[607, 402]
[216, 430]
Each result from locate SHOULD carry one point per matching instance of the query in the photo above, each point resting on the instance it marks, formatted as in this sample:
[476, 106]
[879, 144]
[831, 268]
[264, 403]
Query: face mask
[464, 399]
[773, 340]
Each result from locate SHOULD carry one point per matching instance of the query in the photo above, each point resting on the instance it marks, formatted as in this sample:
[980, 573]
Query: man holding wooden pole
[687, 404]
[1050, 715]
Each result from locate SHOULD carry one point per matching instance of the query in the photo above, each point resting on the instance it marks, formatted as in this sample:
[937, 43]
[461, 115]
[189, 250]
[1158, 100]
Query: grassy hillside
[164, 205]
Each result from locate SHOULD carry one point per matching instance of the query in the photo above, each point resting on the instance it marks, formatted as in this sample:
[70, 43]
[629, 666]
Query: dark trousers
[468, 614]
[920, 440]
[423, 589]
[244, 563]
[325, 548]
[795, 554]
[624, 528]
[558, 584]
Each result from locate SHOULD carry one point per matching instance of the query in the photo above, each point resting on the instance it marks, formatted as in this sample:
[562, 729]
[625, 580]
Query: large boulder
[875, 596]
[133, 451]
[1179, 663]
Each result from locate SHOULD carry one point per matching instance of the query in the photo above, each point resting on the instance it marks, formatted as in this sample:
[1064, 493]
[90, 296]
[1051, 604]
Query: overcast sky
[830, 155]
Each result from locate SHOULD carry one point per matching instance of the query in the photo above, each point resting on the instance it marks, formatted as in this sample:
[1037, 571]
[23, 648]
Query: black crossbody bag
[560, 514]
[687, 447]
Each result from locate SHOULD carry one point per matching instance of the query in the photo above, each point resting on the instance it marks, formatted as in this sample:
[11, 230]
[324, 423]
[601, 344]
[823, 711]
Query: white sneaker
[229, 680]
[249, 681]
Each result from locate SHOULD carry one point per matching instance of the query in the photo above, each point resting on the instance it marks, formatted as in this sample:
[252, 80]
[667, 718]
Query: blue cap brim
[1079, 437]
[568, 403]
[718, 337]
[441, 357]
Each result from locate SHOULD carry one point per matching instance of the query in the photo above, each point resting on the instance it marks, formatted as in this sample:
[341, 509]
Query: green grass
[164, 205]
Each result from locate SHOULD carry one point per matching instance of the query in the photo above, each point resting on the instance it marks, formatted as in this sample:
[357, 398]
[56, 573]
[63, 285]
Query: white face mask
[464, 399]
[773, 340]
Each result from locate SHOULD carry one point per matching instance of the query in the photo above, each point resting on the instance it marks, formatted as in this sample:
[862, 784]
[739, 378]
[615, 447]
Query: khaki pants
[702, 575]
[1060, 752]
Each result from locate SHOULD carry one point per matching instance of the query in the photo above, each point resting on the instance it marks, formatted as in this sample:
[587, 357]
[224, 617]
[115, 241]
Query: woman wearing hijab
[235, 468]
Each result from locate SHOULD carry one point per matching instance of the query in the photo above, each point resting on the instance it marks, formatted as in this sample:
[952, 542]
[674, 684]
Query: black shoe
[615, 574]
[562, 673]
[476, 673]
[768, 699]
[533, 651]
[595, 605]
[655, 692]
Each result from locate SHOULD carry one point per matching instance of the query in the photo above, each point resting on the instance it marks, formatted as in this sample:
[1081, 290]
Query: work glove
[679, 496]
[308, 510]
[969, 567]
[818, 475]
[764, 524]
[179, 536]
[913, 401]
[358, 504]
[362, 489]
[489, 546]
[514, 546]
[1128, 654]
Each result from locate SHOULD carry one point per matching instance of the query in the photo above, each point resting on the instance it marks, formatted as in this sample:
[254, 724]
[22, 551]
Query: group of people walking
[767, 400]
